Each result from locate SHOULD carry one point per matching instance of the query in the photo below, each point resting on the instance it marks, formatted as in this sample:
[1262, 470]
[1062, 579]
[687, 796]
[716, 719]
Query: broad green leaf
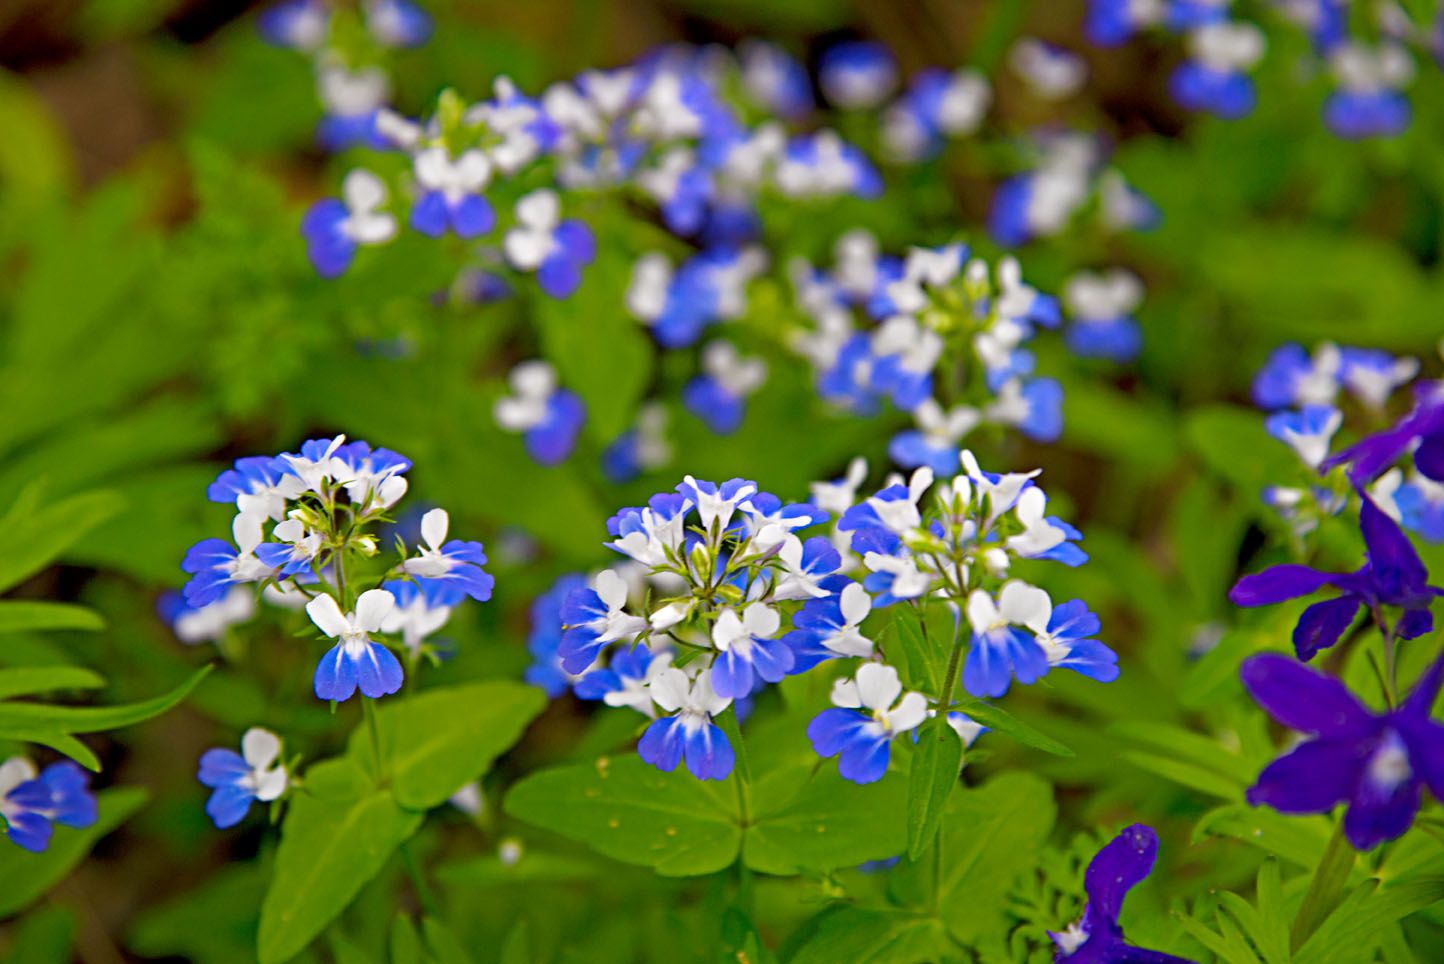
[443, 944]
[990, 835]
[30, 680]
[1186, 774]
[920, 659]
[44, 936]
[1298, 839]
[491, 871]
[212, 923]
[875, 936]
[632, 812]
[435, 742]
[937, 761]
[30, 540]
[996, 718]
[405, 942]
[338, 833]
[826, 824]
[1360, 921]
[18, 615]
[29, 876]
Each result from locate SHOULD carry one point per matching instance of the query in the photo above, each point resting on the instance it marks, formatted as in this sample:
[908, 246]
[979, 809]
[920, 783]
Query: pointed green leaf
[995, 718]
[92, 719]
[18, 615]
[30, 680]
[937, 761]
[827, 823]
[31, 540]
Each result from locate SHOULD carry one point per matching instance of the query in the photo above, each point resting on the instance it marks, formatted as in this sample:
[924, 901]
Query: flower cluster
[32, 802]
[1370, 56]
[304, 535]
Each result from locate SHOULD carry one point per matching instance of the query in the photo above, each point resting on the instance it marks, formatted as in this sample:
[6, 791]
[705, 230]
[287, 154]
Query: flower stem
[950, 680]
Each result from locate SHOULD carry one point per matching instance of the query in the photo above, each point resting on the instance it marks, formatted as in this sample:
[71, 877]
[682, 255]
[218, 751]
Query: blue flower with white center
[216, 565]
[316, 464]
[1035, 408]
[625, 679]
[1124, 207]
[857, 75]
[870, 711]
[824, 165]
[1291, 377]
[1417, 504]
[353, 100]
[1112, 22]
[1369, 102]
[775, 79]
[1214, 80]
[1041, 202]
[829, 628]
[904, 354]
[1067, 640]
[372, 478]
[335, 229]
[356, 661]
[677, 306]
[449, 193]
[450, 569]
[1102, 306]
[549, 417]
[1003, 645]
[1308, 431]
[690, 734]
[642, 448]
[297, 24]
[294, 552]
[239, 779]
[1050, 71]
[718, 396]
[716, 503]
[893, 510]
[546, 672]
[206, 624]
[1043, 536]
[32, 803]
[422, 608]
[652, 535]
[747, 650]
[934, 443]
[397, 23]
[683, 187]
[522, 130]
[258, 485]
[594, 618]
[542, 242]
[1372, 376]
[1181, 16]
[938, 104]
[765, 509]
[924, 270]
[893, 573]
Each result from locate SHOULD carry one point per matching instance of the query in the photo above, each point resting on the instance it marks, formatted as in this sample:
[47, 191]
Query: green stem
[424, 893]
[742, 771]
[945, 702]
[1325, 889]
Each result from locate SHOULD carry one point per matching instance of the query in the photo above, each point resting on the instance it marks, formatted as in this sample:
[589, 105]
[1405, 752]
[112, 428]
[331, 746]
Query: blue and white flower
[295, 549]
[1101, 307]
[352, 100]
[1067, 640]
[208, 623]
[857, 75]
[397, 23]
[715, 504]
[336, 229]
[216, 565]
[256, 774]
[1215, 79]
[32, 803]
[869, 712]
[748, 650]
[718, 396]
[259, 485]
[422, 608]
[938, 105]
[356, 661]
[452, 568]
[825, 165]
[690, 734]
[1308, 431]
[449, 194]
[542, 242]
[1003, 646]
[297, 24]
[1050, 72]
[775, 79]
[830, 628]
[651, 535]
[1370, 101]
[806, 566]
[548, 417]
[642, 448]
[593, 619]
[626, 678]
[934, 443]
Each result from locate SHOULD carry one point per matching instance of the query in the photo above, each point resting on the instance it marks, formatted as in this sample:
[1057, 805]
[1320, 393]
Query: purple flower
[1376, 763]
[1424, 425]
[1120, 866]
[1392, 575]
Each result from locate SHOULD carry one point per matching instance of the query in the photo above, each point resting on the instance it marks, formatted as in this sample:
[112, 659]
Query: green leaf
[990, 835]
[1232, 442]
[338, 833]
[634, 813]
[825, 824]
[875, 936]
[30, 680]
[405, 942]
[1325, 888]
[30, 539]
[29, 876]
[44, 936]
[18, 615]
[214, 921]
[1359, 922]
[919, 662]
[1297, 839]
[443, 944]
[937, 760]
[516, 949]
[1186, 774]
[435, 742]
[995, 718]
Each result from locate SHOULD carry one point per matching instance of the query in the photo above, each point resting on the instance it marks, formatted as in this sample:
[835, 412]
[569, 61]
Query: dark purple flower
[1424, 425]
[1376, 763]
[1392, 575]
[1116, 869]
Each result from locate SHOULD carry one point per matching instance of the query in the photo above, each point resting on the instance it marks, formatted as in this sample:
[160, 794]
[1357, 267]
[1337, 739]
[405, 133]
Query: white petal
[372, 607]
[540, 210]
[878, 686]
[526, 249]
[761, 621]
[327, 615]
[670, 689]
[856, 603]
[433, 527]
[363, 190]
[271, 784]
[705, 698]
[844, 694]
[727, 629]
[1025, 605]
[982, 612]
[909, 713]
[246, 528]
[260, 747]
[612, 589]
[670, 615]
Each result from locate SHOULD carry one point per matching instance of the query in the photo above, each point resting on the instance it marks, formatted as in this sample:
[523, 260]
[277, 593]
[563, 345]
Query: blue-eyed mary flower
[934, 443]
[1097, 938]
[857, 74]
[452, 569]
[718, 396]
[557, 250]
[829, 628]
[1101, 307]
[449, 194]
[208, 623]
[298, 24]
[237, 780]
[423, 607]
[397, 23]
[1375, 763]
[689, 732]
[870, 711]
[595, 617]
[1369, 101]
[624, 681]
[937, 105]
[335, 228]
[216, 566]
[1392, 577]
[1308, 431]
[1214, 79]
[356, 661]
[748, 649]
[1051, 72]
[32, 802]
[548, 417]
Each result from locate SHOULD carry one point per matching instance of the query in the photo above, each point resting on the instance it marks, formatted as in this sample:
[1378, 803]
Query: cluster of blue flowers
[726, 589]
[1370, 56]
[32, 802]
[1376, 763]
[305, 536]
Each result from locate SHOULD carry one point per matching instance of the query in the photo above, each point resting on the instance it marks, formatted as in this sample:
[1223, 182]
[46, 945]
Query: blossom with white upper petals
[335, 228]
[239, 779]
[870, 711]
[356, 661]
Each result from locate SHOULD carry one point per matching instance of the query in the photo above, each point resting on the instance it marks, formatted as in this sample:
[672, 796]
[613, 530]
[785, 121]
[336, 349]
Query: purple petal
[1313, 777]
[1397, 568]
[1379, 813]
[1323, 623]
[1304, 699]
[1277, 584]
[1429, 457]
[1116, 869]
